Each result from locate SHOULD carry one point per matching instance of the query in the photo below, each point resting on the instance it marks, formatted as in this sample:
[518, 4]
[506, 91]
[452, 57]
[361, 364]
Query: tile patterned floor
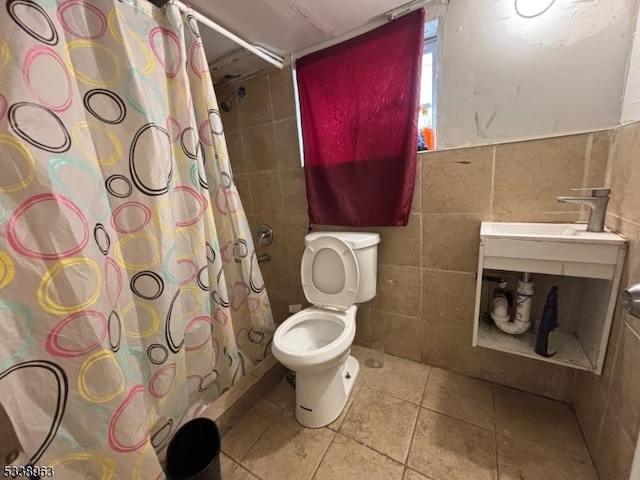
[409, 421]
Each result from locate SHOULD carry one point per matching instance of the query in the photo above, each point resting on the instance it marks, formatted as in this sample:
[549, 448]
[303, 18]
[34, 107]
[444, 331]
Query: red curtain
[359, 112]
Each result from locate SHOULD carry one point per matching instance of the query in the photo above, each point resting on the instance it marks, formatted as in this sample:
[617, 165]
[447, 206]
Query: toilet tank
[365, 247]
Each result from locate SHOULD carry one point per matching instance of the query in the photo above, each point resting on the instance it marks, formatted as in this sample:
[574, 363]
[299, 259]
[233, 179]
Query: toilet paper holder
[631, 300]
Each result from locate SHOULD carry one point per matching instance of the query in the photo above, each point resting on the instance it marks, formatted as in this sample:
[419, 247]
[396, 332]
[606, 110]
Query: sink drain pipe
[522, 321]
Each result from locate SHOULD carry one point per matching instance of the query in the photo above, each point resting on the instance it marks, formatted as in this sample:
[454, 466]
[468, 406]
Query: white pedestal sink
[563, 249]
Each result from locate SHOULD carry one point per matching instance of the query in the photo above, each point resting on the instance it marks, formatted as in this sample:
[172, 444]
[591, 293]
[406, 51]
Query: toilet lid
[330, 274]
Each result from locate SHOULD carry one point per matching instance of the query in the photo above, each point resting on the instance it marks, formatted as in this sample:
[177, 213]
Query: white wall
[631, 103]
[503, 77]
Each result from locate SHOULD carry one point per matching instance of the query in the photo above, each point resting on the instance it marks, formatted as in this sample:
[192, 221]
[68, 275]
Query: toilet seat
[342, 299]
[314, 337]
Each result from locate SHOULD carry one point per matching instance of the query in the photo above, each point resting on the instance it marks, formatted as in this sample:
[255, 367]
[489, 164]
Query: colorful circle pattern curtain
[129, 285]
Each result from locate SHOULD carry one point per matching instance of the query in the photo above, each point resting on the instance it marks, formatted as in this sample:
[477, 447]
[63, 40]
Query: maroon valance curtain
[359, 111]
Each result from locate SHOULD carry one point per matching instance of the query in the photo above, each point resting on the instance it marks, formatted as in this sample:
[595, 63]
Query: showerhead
[226, 105]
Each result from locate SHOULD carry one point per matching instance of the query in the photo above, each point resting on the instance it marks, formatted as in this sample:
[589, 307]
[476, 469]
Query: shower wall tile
[293, 191]
[282, 96]
[236, 152]
[266, 166]
[296, 228]
[276, 270]
[260, 148]
[279, 301]
[530, 175]
[288, 148]
[242, 184]
[255, 107]
[266, 192]
[457, 181]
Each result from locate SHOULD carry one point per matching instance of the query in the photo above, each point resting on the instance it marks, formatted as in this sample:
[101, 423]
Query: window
[428, 87]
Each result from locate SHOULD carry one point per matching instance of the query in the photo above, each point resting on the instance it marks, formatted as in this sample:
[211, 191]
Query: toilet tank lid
[355, 240]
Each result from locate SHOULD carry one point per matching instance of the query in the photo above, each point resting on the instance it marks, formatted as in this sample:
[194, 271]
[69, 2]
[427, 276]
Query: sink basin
[558, 232]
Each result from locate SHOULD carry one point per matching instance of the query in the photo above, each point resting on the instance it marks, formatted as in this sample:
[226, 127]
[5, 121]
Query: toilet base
[321, 396]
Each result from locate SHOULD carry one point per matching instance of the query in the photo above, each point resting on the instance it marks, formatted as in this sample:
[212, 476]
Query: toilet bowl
[338, 270]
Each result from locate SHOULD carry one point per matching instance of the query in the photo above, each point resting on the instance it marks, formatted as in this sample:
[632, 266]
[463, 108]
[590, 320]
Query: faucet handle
[595, 192]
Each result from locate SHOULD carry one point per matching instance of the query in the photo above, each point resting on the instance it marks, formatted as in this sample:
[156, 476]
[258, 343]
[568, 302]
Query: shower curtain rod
[261, 52]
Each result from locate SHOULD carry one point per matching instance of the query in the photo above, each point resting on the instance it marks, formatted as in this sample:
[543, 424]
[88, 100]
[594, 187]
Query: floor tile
[349, 460]
[244, 434]
[381, 422]
[241, 474]
[525, 461]
[411, 475]
[460, 397]
[337, 423]
[283, 395]
[227, 465]
[288, 450]
[444, 448]
[398, 377]
[540, 421]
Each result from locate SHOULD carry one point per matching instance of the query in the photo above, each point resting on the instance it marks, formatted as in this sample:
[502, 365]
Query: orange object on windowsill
[429, 138]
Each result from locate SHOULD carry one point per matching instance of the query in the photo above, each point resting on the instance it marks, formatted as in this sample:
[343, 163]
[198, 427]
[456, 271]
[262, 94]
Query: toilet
[338, 271]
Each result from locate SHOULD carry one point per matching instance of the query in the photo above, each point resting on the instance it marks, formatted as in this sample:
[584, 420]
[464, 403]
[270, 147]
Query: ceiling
[282, 26]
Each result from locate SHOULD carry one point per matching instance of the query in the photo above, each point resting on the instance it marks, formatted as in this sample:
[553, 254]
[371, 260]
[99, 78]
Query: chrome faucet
[597, 201]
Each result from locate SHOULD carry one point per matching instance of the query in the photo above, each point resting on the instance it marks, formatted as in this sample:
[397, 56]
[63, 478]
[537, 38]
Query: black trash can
[194, 452]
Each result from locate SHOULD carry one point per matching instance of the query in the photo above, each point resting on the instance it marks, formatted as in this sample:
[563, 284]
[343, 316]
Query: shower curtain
[129, 284]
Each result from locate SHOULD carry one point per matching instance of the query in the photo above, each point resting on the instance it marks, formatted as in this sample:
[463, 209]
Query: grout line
[450, 271]
[398, 315]
[239, 462]
[613, 142]
[466, 422]
[495, 429]
[273, 121]
[586, 169]
[360, 442]
[587, 160]
[624, 219]
[468, 214]
[391, 394]
[426, 384]
[348, 409]
[268, 79]
[582, 432]
[415, 424]
[493, 182]
[315, 470]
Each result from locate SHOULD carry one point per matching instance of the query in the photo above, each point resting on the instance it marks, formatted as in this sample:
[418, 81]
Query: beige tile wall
[261, 135]
[424, 304]
[608, 407]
